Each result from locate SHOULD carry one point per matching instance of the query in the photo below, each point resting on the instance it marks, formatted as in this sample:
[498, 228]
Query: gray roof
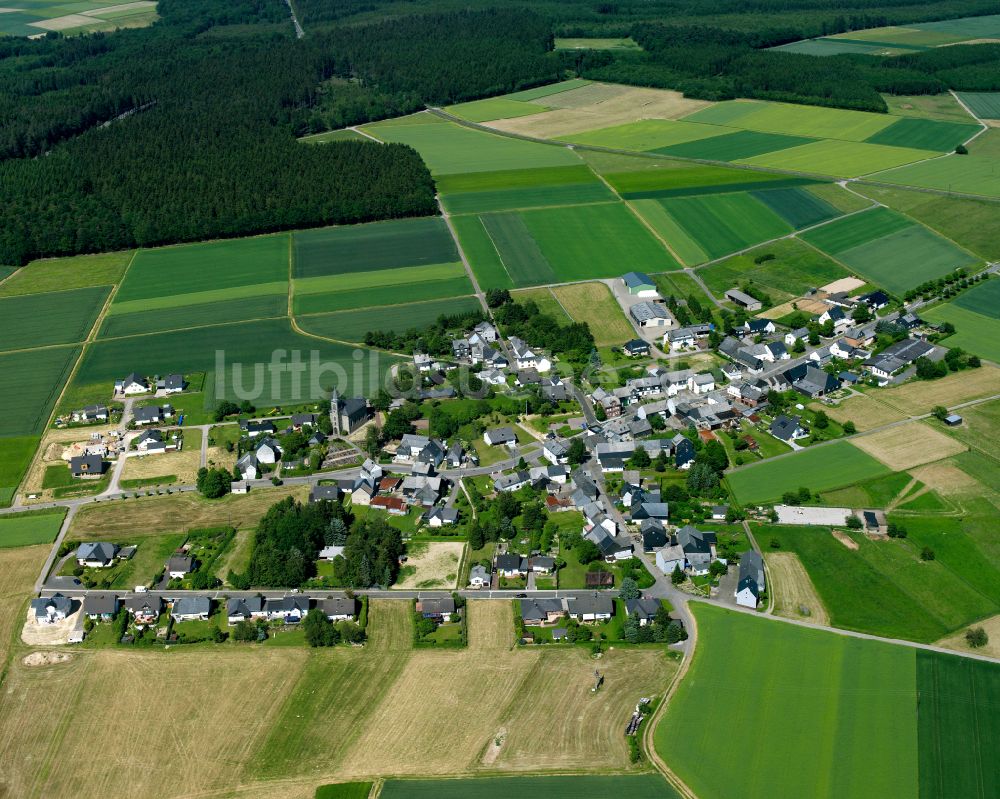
[752, 566]
[645, 607]
[784, 427]
[86, 464]
[100, 604]
[99, 550]
[178, 563]
[60, 603]
[436, 605]
[338, 606]
[501, 435]
[244, 606]
[538, 609]
[591, 603]
[318, 493]
[143, 603]
[150, 413]
[644, 311]
[692, 540]
[509, 561]
[636, 279]
[741, 297]
[192, 606]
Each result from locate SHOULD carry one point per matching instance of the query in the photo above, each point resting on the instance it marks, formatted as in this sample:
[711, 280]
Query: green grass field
[924, 134]
[188, 268]
[985, 105]
[983, 298]
[30, 381]
[856, 230]
[62, 274]
[734, 146]
[794, 120]
[818, 468]
[808, 702]
[825, 47]
[334, 135]
[969, 174]
[719, 224]
[927, 106]
[675, 179]
[549, 90]
[522, 258]
[974, 332]
[25, 529]
[958, 726]
[379, 245]
[15, 457]
[352, 325]
[797, 206]
[248, 348]
[647, 134]
[448, 148]
[527, 197]
[545, 300]
[326, 301]
[596, 44]
[795, 269]
[344, 790]
[633, 786]
[842, 159]
[482, 253]
[493, 108]
[237, 309]
[38, 320]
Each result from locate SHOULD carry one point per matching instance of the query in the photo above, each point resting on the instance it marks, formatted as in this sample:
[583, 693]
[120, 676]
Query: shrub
[976, 637]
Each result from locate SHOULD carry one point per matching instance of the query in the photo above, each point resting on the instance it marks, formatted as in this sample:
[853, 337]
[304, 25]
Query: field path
[461, 254]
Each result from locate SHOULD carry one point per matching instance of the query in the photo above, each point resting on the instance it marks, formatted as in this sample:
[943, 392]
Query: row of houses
[134, 383]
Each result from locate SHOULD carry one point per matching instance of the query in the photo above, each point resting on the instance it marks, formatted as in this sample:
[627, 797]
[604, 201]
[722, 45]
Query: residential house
[897, 357]
[654, 534]
[479, 577]
[610, 402]
[461, 349]
[179, 565]
[650, 510]
[92, 413]
[556, 451]
[701, 384]
[394, 506]
[248, 466]
[744, 300]
[636, 348]
[651, 315]
[591, 608]
[639, 284]
[87, 466]
[645, 608]
[100, 607]
[684, 338]
[455, 455]
[554, 390]
[813, 382]
[132, 384]
[268, 451]
[96, 555]
[751, 579]
[257, 427]
[613, 456]
[49, 610]
[669, 558]
[836, 315]
[500, 435]
[875, 300]
[513, 481]
[191, 608]
[437, 608]
[543, 610]
[152, 414]
[300, 420]
[322, 493]
[331, 552]
[151, 442]
[541, 564]
[143, 608]
[245, 608]
[527, 377]
[758, 327]
[544, 475]
[440, 517]
[289, 609]
[719, 513]
[527, 358]
[511, 565]
[422, 361]
[787, 428]
[494, 360]
[419, 489]
[338, 608]
[799, 334]
[486, 331]
[777, 351]
[683, 452]
[171, 384]
[698, 547]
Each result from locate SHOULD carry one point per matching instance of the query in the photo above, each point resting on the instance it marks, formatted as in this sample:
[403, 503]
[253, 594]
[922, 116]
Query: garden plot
[431, 564]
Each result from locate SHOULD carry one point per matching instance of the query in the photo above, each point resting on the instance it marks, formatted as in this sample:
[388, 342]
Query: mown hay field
[62, 274]
[19, 567]
[920, 397]
[908, 445]
[594, 303]
[182, 464]
[38, 320]
[865, 410]
[792, 589]
[814, 701]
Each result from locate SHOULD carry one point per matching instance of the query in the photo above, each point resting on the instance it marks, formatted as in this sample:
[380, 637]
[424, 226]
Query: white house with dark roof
[500, 436]
[751, 582]
[787, 428]
[132, 384]
[96, 554]
[49, 610]
[171, 384]
[191, 608]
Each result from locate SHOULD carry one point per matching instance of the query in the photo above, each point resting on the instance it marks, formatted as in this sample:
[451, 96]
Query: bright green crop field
[24, 529]
[842, 159]
[15, 457]
[795, 269]
[482, 252]
[448, 148]
[924, 134]
[806, 703]
[719, 224]
[958, 727]
[969, 174]
[352, 325]
[379, 278]
[493, 108]
[188, 268]
[632, 786]
[647, 134]
[378, 245]
[794, 120]
[325, 301]
[817, 468]
[522, 258]
[61, 317]
[30, 381]
[236, 309]
[62, 274]
[734, 146]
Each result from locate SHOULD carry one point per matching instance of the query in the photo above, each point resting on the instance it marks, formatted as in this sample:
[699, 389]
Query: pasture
[38, 320]
[817, 468]
[814, 701]
[594, 303]
[968, 174]
[30, 382]
[247, 348]
[958, 730]
[493, 108]
[974, 332]
[794, 269]
[927, 106]
[62, 274]
[353, 325]
[26, 529]
[448, 148]
[15, 457]
[375, 246]
[192, 268]
[637, 786]
[883, 587]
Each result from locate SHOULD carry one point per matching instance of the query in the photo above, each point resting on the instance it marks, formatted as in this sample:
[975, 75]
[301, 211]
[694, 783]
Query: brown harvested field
[792, 589]
[585, 302]
[909, 445]
[798, 304]
[627, 105]
[19, 566]
[865, 411]
[845, 539]
[992, 648]
[921, 396]
[435, 565]
[491, 624]
[218, 456]
[946, 478]
[166, 514]
[183, 464]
